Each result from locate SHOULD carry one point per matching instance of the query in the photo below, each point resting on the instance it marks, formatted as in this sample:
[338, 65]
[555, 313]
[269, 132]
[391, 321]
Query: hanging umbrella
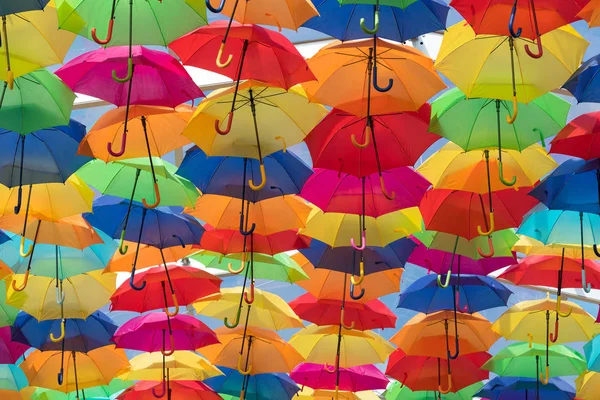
[592, 353]
[13, 385]
[10, 351]
[355, 379]
[8, 314]
[532, 247]
[397, 391]
[147, 256]
[259, 53]
[583, 83]
[587, 384]
[8, 7]
[267, 311]
[192, 390]
[508, 388]
[257, 387]
[225, 175]
[430, 373]
[402, 139]
[361, 316]
[98, 392]
[398, 21]
[578, 138]
[310, 394]
[182, 366]
[590, 13]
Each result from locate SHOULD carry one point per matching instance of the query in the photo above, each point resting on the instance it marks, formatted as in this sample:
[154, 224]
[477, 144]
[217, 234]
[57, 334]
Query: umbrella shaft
[253, 108]
[239, 74]
[5, 38]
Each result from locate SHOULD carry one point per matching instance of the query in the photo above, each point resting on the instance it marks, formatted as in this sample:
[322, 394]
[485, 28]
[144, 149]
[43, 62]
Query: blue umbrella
[592, 354]
[510, 388]
[257, 387]
[44, 156]
[12, 7]
[584, 84]
[398, 24]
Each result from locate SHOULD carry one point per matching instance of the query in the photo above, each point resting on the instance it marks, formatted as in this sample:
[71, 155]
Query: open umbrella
[354, 379]
[578, 137]
[10, 351]
[192, 390]
[8, 314]
[592, 354]
[583, 83]
[98, 392]
[590, 13]
[229, 241]
[182, 366]
[256, 387]
[13, 384]
[587, 384]
[147, 256]
[508, 388]
[8, 7]
[397, 391]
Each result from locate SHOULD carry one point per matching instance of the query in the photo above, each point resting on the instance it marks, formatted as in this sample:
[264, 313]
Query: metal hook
[216, 10]
[353, 296]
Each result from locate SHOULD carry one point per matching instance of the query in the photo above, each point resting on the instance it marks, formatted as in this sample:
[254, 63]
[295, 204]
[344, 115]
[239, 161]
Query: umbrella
[148, 333]
[355, 379]
[475, 123]
[361, 316]
[492, 66]
[187, 284]
[81, 370]
[578, 138]
[267, 311]
[532, 247]
[8, 313]
[193, 390]
[279, 267]
[309, 394]
[182, 366]
[428, 373]
[587, 384]
[583, 83]
[398, 21]
[402, 139]
[147, 256]
[8, 7]
[592, 353]
[397, 391]
[13, 381]
[221, 175]
[256, 387]
[332, 191]
[590, 13]
[508, 388]
[501, 243]
[228, 241]
[98, 392]
[39, 100]
[10, 351]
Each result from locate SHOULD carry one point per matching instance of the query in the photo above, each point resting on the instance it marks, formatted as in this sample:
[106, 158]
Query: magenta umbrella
[158, 332]
[355, 379]
[10, 351]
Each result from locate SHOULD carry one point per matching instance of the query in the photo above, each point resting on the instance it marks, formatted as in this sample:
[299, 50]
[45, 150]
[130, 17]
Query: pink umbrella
[355, 379]
[10, 351]
[150, 332]
[158, 78]
[332, 191]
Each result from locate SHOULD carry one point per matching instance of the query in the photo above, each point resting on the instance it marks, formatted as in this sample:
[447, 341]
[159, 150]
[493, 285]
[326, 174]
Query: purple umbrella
[355, 379]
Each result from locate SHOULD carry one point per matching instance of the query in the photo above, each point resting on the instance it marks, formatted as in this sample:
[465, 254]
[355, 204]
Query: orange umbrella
[591, 13]
[147, 256]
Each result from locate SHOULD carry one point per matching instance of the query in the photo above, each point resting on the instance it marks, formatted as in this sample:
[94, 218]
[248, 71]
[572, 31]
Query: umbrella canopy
[556, 227]
[592, 353]
[193, 390]
[258, 387]
[583, 83]
[361, 316]
[578, 138]
[587, 384]
[13, 380]
[268, 311]
[10, 351]
[398, 391]
[81, 335]
[508, 388]
[502, 242]
[532, 247]
[182, 365]
[401, 137]
[8, 314]
[291, 14]
[265, 352]
[228, 241]
[317, 345]
[590, 13]
[147, 256]
[355, 379]
[97, 392]
[8, 7]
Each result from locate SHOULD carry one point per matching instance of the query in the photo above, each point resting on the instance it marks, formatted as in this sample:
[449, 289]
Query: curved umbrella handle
[501, 176]
[236, 322]
[596, 251]
[363, 242]
[237, 271]
[244, 232]
[554, 336]
[60, 377]
[375, 25]
[123, 146]
[181, 243]
[10, 80]
[216, 10]
[243, 394]
[367, 138]
[220, 55]
[540, 49]
[587, 287]
[361, 275]
[17, 208]
[491, 253]
[376, 85]
[547, 379]
[249, 299]
[127, 77]
[329, 368]
[439, 279]
[263, 176]
[542, 139]
[109, 34]
[239, 366]
[457, 300]
[509, 119]
[122, 246]
[23, 286]
[163, 390]
[564, 315]
[138, 288]
[175, 304]
[274, 19]
[60, 296]
[229, 121]
[157, 197]
[169, 353]
[349, 327]
[62, 333]
[492, 225]
[22, 251]
[353, 296]
[457, 351]
[387, 195]
[284, 143]
[404, 379]
[530, 340]
[446, 391]
[511, 22]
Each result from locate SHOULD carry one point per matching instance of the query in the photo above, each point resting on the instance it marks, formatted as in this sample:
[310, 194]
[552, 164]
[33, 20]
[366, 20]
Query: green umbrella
[520, 360]
[8, 314]
[98, 392]
[396, 391]
[501, 241]
[279, 267]
[39, 100]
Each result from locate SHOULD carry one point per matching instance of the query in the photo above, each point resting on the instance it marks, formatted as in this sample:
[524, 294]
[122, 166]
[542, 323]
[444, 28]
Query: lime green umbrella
[279, 267]
[520, 359]
[39, 100]
[105, 391]
[134, 176]
[501, 241]
[475, 123]
[397, 391]
[8, 314]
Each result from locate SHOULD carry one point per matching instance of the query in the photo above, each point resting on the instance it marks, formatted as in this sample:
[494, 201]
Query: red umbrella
[10, 351]
[580, 138]
[361, 316]
[401, 140]
[189, 284]
[343, 193]
[431, 373]
[228, 241]
[465, 214]
[189, 390]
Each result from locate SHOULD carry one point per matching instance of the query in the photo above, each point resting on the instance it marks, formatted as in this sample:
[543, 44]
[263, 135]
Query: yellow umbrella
[532, 247]
[318, 343]
[81, 370]
[182, 366]
[252, 351]
[84, 294]
[268, 311]
[147, 256]
[270, 216]
[34, 41]
[588, 385]
[337, 229]
[266, 119]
